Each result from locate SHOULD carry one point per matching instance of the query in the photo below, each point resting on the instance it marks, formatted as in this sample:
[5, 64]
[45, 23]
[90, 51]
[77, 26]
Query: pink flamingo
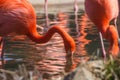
[102, 12]
[18, 16]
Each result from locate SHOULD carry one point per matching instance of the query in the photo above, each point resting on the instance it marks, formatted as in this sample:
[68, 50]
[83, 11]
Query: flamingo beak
[69, 53]
[69, 56]
[119, 43]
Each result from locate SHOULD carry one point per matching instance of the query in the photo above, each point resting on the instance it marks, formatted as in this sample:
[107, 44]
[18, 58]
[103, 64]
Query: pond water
[49, 58]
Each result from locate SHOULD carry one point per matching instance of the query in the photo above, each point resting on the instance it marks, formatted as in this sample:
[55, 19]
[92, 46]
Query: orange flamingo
[102, 12]
[18, 16]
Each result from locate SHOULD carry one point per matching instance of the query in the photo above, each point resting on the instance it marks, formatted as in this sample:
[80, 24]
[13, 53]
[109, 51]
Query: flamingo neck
[36, 37]
[112, 37]
[109, 32]
[68, 40]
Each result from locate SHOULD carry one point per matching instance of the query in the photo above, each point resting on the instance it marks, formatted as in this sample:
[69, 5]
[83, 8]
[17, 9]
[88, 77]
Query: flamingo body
[18, 16]
[101, 12]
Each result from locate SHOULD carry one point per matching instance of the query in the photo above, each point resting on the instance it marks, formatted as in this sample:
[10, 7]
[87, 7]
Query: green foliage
[112, 69]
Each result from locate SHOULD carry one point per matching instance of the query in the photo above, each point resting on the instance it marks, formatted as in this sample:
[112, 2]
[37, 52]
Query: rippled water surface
[49, 58]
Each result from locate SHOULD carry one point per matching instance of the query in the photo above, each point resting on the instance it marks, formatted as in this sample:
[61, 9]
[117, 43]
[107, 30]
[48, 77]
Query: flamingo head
[69, 47]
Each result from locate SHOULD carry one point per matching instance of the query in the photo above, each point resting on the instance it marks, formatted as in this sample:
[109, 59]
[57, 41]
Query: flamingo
[18, 16]
[101, 13]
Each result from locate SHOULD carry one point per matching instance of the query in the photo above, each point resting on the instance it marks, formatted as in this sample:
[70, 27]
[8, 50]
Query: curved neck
[45, 38]
[112, 35]
[68, 40]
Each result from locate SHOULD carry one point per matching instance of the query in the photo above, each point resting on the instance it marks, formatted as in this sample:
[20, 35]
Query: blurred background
[56, 5]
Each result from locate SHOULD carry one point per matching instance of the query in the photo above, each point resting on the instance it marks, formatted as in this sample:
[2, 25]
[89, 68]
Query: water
[49, 58]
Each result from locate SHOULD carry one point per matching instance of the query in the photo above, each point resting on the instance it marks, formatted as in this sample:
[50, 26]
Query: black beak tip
[119, 43]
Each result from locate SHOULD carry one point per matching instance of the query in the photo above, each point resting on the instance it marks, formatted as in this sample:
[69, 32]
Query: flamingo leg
[102, 44]
[76, 17]
[2, 41]
[75, 6]
[46, 15]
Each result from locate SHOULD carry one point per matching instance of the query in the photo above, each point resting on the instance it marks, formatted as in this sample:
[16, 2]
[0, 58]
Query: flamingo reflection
[82, 38]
